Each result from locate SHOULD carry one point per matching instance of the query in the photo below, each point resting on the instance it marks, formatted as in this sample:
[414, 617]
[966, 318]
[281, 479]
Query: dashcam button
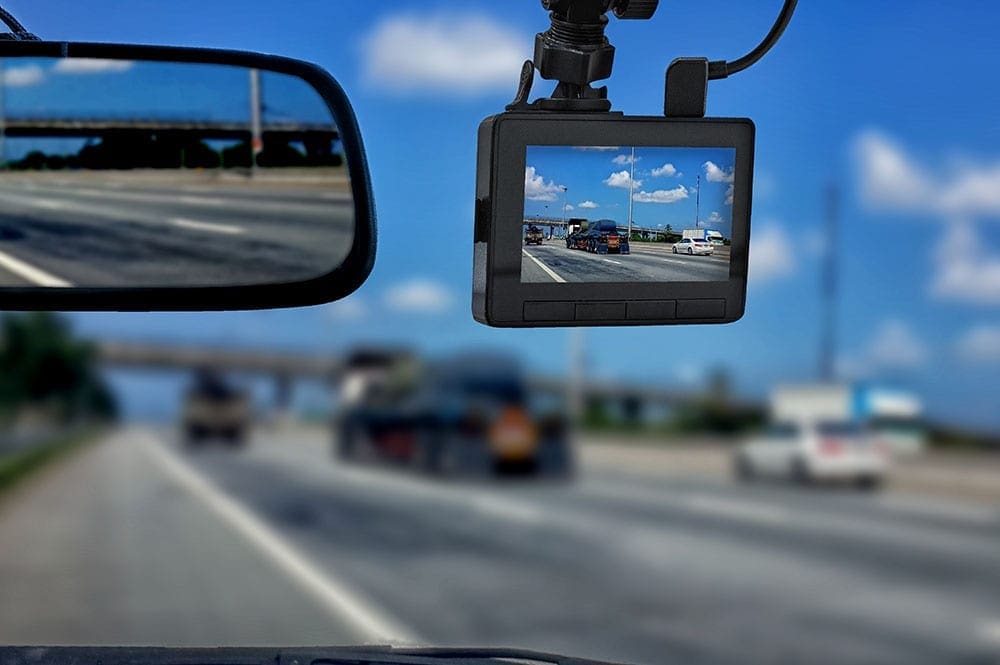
[600, 311]
[548, 311]
[701, 309]
[652, 310]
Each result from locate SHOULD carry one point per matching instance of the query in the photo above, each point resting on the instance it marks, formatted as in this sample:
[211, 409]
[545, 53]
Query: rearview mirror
[149, 178]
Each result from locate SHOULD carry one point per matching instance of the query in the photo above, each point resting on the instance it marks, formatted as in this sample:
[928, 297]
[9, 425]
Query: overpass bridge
[26, 127]
[632, 399]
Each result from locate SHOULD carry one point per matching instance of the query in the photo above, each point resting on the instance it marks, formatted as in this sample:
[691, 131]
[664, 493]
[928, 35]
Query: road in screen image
[627, 214]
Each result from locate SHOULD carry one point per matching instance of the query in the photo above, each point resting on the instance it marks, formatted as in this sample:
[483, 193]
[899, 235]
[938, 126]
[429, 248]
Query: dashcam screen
[627, 214]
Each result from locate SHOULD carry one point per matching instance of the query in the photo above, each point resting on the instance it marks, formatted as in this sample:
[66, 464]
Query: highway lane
[554, 262]
[87, 232]
[617, 565]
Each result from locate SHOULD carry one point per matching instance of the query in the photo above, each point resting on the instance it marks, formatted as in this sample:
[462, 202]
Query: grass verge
[16, 467]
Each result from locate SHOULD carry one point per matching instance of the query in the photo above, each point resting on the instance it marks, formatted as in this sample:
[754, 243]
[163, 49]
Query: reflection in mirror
[122, 174]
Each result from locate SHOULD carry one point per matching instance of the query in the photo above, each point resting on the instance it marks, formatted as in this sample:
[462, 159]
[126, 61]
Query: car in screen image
[603, 237]
[534, 236]
[694, 247]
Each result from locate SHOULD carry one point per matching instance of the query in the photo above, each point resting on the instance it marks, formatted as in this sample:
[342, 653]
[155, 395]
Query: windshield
[605, 493]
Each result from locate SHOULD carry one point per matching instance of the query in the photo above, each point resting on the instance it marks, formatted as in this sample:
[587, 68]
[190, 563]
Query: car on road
[603, 237]
[215, 411]
[534, 236]
[471, 415]
[812, 452]
[694, 247]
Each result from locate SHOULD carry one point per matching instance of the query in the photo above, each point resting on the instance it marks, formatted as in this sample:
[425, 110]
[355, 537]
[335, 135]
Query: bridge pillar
[283, 393]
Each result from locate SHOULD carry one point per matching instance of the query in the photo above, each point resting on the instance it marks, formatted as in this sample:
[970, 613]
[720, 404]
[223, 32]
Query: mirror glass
[139, 174]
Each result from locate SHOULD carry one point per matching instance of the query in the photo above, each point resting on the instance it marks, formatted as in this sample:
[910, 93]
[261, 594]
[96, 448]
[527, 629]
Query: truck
[468, 415]
[714, 237]
[892, 416]
[215, 411]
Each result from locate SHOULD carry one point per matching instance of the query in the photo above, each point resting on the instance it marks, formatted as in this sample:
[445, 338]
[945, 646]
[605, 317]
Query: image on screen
[627, 214]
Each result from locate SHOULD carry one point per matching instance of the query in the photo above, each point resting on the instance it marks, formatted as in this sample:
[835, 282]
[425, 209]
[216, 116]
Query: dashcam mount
[575, 52]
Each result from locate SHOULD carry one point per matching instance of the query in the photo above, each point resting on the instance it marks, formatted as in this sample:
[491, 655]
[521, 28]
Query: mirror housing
[270, 293]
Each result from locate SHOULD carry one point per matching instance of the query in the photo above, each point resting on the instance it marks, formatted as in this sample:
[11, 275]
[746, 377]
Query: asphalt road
[554, 262]
[87, 232]
[137, 542]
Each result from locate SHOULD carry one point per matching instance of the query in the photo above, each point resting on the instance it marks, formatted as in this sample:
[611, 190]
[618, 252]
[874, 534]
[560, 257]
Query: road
[554, 262]
[83, 230]
[136, 542]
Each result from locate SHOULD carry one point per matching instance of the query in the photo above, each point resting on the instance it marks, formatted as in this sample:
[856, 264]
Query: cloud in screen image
[627, 214]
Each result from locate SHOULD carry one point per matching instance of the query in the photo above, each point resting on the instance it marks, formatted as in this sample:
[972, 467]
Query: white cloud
[622, 180]
[715, 218]
[350, 310]
[589, 205]
[91, 66]
[772, 255]
[965, 270]
[896, 346]
[678, 193]
[625, 160]
[665, 171]
[714, 173]
[419, 295]
[536, 189]
[730, 193]
[23, 77]
[980, 345]
[569, 207]
[458, 53]
[891, 179]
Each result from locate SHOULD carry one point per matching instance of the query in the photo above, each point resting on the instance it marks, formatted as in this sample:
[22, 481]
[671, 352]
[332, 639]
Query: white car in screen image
[694, 247]
[813, 452]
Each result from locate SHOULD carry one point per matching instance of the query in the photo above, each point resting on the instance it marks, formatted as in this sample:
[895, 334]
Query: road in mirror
[117, 173]
[627, 214]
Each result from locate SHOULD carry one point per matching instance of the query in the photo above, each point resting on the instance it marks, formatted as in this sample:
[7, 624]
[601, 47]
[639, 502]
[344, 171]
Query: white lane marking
[332, 594]
[203, 201]
[51, 205]
[548, 271]
[702, 504]
[228, 229]
[740, 510]
[617, 263]
[34, 275]
[508, 510]
[931, 508]
[988, 632]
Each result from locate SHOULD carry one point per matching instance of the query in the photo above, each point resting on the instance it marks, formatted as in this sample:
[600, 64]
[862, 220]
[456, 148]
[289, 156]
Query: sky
[596, 183]
[876, 99]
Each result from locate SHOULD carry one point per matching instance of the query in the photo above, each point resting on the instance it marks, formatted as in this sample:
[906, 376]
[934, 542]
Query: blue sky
[595, 183]
[878, 98]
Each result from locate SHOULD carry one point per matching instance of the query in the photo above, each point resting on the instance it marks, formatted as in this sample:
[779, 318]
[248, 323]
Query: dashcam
[604, 219]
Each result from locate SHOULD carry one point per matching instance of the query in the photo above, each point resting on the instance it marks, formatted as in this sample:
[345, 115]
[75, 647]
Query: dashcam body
[646, 220]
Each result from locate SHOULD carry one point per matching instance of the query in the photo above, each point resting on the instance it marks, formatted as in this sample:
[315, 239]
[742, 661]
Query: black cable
[720, 69]
[19, 31]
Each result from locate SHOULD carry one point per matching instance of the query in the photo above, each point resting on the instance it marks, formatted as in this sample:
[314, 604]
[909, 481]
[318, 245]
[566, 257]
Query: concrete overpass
[285, 368]
[207, 129]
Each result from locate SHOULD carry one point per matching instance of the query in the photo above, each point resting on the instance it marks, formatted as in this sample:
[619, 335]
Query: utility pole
[697, 208]
[576, 378]
[565, 195]
[256, 121]
[631, 194]
[830, 288]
